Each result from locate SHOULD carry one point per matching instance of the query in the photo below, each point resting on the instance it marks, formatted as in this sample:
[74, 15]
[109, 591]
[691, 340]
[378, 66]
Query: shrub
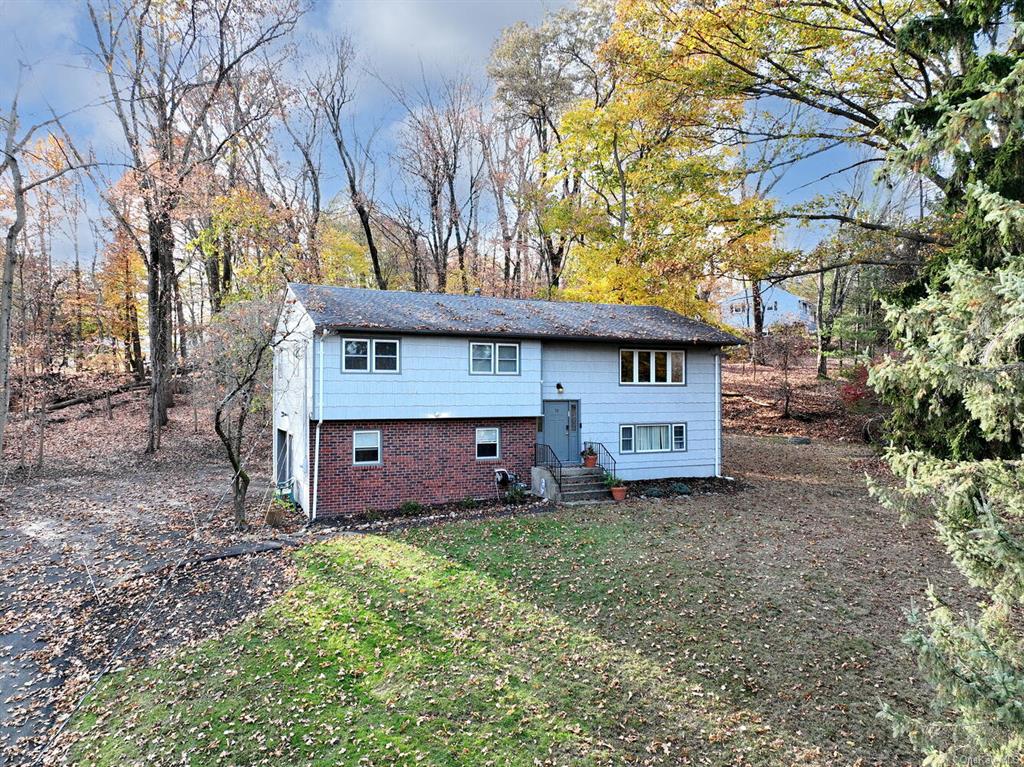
[680, 488]
[855, 394]
[469, 502]
[515, 495]
[410, 507]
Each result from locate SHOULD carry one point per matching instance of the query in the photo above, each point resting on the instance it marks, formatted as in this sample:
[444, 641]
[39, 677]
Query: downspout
[718, 413]
[319, 423]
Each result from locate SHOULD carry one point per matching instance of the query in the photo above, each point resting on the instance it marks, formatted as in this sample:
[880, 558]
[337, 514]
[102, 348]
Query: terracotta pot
[590, 461]
[619, 493]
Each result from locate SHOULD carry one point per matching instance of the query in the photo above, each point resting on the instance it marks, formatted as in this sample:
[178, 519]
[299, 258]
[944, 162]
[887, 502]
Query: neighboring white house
[780, 306]
[384, 397]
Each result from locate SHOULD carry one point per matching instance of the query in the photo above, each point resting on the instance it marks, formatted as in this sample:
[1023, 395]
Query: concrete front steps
[582, 484]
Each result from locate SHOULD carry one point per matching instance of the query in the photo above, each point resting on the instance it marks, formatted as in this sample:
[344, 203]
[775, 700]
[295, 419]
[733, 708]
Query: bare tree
[509, 157]
[439, 156]
[235, 362]
[16, 142]
[166, 68]
[539, 73]
[303, 121]
[786, 345]
[334, 92]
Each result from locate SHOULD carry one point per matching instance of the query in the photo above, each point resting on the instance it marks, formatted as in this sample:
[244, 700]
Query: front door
[562, 429]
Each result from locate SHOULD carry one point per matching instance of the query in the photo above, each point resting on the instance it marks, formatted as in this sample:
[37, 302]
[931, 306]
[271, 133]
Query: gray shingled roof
[399, 311]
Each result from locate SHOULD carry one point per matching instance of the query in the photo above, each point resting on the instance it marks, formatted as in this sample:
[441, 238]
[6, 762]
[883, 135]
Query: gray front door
[562, 429]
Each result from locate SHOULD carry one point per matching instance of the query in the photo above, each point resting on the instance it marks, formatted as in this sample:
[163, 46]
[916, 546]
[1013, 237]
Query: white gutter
[319, 423]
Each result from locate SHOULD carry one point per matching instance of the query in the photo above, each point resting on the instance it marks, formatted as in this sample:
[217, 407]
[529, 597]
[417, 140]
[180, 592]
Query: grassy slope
[590, 637]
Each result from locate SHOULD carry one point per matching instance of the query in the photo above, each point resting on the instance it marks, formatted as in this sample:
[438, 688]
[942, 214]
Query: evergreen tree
[957, 387]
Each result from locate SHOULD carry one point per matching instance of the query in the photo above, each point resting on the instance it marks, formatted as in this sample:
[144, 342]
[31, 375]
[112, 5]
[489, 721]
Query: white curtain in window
[651, 438]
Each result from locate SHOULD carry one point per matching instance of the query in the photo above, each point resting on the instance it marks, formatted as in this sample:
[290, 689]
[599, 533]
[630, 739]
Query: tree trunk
[240, 487]
[179, 314]
[42, 438]
[553, 255]
[134, 342]
[757, 315]
[824, 347]
[824, 320]
[160, 289]
[7, 293]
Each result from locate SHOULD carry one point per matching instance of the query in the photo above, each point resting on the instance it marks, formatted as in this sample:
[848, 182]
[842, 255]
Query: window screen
[365, 447]
[487, 443]
[356, 354]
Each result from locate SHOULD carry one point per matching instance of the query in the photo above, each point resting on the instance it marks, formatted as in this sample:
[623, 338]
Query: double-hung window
[370, 355]
[679, 436]
[488, 443]
[486, 358]
[652, 437]
[385, 356]
[663, 367]
[366, 448]
[355, 355]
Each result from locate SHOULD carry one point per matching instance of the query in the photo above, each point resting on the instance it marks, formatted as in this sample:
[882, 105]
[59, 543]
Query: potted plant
[589, 456]
[613, 483]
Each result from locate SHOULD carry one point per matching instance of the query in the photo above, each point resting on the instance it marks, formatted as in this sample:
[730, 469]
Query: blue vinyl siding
[434, 382]
[590, 373]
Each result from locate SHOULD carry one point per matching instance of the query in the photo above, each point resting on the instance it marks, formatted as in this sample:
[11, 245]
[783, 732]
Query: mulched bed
[398, 519]
[676, 487]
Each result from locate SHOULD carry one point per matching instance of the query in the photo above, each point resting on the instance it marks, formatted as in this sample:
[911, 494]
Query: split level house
[387, 397]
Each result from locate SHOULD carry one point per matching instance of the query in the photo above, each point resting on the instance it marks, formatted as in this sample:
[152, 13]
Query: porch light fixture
[559, 388]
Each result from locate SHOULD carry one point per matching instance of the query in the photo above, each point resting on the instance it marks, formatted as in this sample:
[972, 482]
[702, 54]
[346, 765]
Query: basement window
[626, 439]
[365, 448]
[679, 436]
[652, 438]
[487, 441]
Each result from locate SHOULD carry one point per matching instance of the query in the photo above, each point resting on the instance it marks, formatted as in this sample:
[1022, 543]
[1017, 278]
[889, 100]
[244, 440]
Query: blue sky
[397, 41]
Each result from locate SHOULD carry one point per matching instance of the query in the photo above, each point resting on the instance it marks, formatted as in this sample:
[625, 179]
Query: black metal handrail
[545, 456]
[604, 458]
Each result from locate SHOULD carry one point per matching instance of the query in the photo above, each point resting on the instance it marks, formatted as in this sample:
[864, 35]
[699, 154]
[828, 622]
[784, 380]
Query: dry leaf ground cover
[751, 402]
[760, 627]
[87, 540]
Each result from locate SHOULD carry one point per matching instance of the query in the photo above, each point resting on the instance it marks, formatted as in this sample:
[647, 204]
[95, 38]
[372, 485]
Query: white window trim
[380, 448]
[497, 367]
[636, 426]
[671, 437]
[493, 361]
[636, 368]
[686, 438]
[398, 355]
[371, 352]
[496, 443]
[632, 438]
[369, 355]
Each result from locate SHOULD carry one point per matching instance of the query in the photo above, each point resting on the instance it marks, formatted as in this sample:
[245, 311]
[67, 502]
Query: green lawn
[592, 636]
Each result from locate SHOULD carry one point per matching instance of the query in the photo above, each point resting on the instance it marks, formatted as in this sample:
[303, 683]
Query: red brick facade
[427, 461]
